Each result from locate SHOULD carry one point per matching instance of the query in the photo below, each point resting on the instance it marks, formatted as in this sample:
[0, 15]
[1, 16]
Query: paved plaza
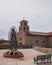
[26, 60]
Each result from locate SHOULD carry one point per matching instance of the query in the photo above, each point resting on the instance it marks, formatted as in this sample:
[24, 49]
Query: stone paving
[26, 60]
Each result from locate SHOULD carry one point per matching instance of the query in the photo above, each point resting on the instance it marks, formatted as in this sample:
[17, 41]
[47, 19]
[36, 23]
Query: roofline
[32, 33]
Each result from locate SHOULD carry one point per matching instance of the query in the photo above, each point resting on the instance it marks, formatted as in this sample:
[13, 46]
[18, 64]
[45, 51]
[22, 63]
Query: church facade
[27, 37]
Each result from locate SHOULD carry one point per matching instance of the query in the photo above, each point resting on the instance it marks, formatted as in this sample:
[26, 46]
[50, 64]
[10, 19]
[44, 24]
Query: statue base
[13, 54]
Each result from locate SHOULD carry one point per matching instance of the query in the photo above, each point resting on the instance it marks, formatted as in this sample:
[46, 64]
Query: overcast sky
[37, 12]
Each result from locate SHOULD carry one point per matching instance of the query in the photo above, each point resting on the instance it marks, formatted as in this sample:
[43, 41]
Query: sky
[38, 13]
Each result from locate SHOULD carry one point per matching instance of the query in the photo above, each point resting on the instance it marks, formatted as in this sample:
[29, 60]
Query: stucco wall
[33, 40]
[49, 41]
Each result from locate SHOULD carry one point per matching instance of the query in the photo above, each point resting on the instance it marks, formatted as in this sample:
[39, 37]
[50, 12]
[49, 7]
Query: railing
[42, 58]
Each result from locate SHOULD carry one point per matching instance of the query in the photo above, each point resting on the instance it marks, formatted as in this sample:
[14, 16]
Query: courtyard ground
[26, 60]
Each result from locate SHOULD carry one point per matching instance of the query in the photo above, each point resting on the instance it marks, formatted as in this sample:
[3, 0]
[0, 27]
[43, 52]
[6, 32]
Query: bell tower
[23, 29]
[24, 26]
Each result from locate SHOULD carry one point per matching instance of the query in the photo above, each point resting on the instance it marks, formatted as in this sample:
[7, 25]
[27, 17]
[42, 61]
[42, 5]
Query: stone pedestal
[13, 54]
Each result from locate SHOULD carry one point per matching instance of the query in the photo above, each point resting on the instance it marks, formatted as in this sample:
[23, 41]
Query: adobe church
[27, 37]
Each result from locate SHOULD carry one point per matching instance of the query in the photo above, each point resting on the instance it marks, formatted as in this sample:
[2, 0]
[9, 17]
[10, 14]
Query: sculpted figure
[13, 42]
[13, 46]
[13, 35]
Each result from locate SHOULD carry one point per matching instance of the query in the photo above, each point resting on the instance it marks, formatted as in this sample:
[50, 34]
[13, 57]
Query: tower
[24, 26]
[23, 29]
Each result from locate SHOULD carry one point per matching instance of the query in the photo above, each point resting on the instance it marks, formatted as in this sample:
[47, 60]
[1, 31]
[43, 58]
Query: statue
[13, 41]
[13, 46]
[13, 35]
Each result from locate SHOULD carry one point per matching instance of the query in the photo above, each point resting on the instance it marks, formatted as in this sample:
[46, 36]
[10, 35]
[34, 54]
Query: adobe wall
[33, 40]
[49, 41]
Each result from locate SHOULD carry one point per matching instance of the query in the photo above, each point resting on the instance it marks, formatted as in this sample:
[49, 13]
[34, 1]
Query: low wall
[4, 46]
[45, 50]
[20, 47]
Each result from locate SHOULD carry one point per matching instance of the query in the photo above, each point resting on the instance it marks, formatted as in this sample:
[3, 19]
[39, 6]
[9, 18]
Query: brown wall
[33, 40]
[43, 41]
[49, 41]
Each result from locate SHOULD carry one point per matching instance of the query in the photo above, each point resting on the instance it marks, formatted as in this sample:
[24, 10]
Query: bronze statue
[13, 46]
[13, 41]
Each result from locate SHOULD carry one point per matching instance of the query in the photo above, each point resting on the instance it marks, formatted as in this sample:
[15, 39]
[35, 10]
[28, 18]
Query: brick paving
[26, 60]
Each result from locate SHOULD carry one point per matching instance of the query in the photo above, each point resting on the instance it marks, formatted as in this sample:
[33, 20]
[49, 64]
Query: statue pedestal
[13, 54]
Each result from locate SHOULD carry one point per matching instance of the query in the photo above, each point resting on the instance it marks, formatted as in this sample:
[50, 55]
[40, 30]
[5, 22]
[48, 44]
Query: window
[43, 41]
[24, 28]
[25, 24]
[37, 41]
[20, 43]
[27, 28]
[20, 39]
